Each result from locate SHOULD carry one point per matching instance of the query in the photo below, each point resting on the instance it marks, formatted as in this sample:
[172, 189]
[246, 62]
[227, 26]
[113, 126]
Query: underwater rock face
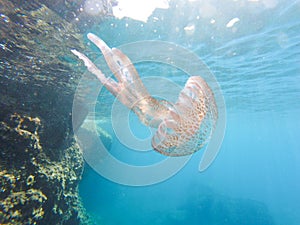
[34, 188]
[40, 162]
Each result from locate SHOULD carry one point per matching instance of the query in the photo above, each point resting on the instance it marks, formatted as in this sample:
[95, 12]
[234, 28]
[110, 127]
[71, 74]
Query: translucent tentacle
[129, 90]
[109, 83]
[107, 53]
[129, 74]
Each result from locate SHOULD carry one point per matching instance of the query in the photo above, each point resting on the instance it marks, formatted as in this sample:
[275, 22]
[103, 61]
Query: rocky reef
[34, 188]
[40, 161]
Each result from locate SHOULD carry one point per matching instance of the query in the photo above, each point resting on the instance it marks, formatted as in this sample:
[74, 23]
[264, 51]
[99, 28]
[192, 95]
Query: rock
[40, 162]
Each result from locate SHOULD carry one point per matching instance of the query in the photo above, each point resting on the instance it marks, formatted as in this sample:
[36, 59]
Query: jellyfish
[183, 127]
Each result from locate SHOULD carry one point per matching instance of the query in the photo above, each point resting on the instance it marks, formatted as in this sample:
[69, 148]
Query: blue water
[255, 178]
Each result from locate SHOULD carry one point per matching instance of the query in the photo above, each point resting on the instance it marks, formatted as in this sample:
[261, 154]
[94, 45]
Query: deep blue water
[255, 178]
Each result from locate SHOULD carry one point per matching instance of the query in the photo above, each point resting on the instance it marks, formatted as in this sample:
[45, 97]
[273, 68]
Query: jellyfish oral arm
[129, 89]
[183, 127]
[109, 83]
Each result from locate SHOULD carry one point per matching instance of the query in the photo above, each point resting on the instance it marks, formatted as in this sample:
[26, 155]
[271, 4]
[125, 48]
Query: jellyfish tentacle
[130, 77]
[125, 63]
[108, 55]
[109, 83]
[129, 89]
[123, 70]
[119, 64]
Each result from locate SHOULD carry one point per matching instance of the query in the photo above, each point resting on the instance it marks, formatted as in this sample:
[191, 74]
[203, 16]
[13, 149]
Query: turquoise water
[255, 177]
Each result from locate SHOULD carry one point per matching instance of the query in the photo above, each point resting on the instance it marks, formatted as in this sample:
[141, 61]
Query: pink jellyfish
[182, 128]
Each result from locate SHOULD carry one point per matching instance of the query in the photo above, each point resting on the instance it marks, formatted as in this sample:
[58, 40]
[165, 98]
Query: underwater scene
[161, 112]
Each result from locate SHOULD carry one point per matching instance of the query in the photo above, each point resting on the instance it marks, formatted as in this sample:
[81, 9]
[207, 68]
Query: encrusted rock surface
[40, 162]
[34, 188]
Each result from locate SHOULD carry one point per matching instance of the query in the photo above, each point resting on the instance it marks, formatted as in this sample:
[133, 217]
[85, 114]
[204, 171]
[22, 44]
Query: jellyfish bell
[182, 128]
[196, 116]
